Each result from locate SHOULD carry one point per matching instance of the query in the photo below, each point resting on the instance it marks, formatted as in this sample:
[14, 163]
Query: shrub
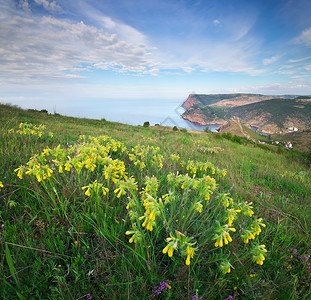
[146, 124]
[175, 128]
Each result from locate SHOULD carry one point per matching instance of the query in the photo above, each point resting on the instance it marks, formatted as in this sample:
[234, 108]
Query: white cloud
[295, 87]
[299, 60]
[24, 5]
[50, 6]
[271, 60]
[216, 22]
[305, 38]
[46, 47]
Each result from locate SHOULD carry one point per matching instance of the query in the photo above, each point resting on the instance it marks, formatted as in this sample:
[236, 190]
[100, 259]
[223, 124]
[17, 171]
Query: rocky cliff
[270, 114]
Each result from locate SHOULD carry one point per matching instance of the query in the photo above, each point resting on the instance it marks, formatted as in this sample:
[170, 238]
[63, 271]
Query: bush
[175, 128]
[146, 124]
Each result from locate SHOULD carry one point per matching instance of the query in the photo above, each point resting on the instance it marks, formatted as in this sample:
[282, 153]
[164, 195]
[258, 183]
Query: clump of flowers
[187, 198]
[29, 129]
[166, 210]
[158, 289]
[205, 147]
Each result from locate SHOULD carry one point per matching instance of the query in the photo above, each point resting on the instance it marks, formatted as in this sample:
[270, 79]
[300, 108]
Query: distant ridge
[270, 113]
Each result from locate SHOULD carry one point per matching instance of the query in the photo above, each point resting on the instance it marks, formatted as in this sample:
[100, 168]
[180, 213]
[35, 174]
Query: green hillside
[91, 209]
[277, 111]
[269, 113]
[209, 99]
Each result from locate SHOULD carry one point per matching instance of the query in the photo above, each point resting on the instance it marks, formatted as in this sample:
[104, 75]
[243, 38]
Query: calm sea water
[133, 112]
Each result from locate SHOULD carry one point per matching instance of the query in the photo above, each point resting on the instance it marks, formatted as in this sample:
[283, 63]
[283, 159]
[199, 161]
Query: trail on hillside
[242, 130]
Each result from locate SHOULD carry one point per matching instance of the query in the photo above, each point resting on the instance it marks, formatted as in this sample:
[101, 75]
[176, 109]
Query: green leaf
[11, 265]
[20, 296]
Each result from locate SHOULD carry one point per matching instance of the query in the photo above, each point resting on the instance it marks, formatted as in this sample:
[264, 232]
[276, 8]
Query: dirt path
[242, 130]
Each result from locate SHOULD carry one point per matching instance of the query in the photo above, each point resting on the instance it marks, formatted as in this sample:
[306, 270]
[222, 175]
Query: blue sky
[149, 49]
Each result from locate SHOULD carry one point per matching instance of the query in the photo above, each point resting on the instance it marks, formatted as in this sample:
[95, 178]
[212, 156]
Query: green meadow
[92, 209]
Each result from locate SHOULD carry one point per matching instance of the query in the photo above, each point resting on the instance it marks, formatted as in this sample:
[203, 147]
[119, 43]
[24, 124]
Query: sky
[74, 50]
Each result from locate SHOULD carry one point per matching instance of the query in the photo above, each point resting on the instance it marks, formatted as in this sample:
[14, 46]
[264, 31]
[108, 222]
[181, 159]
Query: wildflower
[165, 285]
[88, 192]
[20, 172]
[1, 185]
[195, 297]
[173, 245]
[246, 208]
[258, 254]
[255, 226]
[247, 235]
[88, 296]
[67, 167]
[198, 207]
[105, 191]
[190, 252]
[225, 266]
[223, 235]
[136, 235]
[232, 213]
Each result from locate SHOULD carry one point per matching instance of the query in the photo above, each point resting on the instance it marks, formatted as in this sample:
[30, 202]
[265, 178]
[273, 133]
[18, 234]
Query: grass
[66, 237]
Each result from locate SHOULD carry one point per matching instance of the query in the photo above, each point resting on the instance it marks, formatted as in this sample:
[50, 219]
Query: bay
[166, 112]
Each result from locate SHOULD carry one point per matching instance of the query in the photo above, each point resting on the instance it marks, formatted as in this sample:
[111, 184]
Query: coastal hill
[271, 114]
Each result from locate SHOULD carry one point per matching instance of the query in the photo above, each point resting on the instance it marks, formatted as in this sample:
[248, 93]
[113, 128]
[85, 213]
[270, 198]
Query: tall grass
[125, 212]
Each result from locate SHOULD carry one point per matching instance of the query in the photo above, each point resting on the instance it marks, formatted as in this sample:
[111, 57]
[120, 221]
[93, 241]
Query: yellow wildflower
[225, 267]
[136, 235]
[190, 252]
[258, 254]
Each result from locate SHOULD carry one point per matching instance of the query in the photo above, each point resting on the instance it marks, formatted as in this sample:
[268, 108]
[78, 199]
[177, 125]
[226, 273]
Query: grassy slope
[105, 270]
[276, 111]
[243, 131]
[300, 140]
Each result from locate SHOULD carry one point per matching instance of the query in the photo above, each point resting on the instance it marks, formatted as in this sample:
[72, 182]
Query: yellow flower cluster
[299, 176]
[174, 157]
[152, 206]
[95, 187]
[255, 229]
[206, 185]
[204, 147]
[232, 214]
[1, 185]
[93, 153]
[136, 235]
[183, 242]
[143, 155]
[225, 266]
[246, 208]
[30, 129]
[36, 166]
[258, 254]
[222, 235]
[196, 166]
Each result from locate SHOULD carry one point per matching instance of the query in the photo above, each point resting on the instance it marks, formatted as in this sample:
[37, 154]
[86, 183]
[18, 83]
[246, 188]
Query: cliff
[270, 114]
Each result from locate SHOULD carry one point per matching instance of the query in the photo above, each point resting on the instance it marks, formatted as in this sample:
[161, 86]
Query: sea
[166, 112]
